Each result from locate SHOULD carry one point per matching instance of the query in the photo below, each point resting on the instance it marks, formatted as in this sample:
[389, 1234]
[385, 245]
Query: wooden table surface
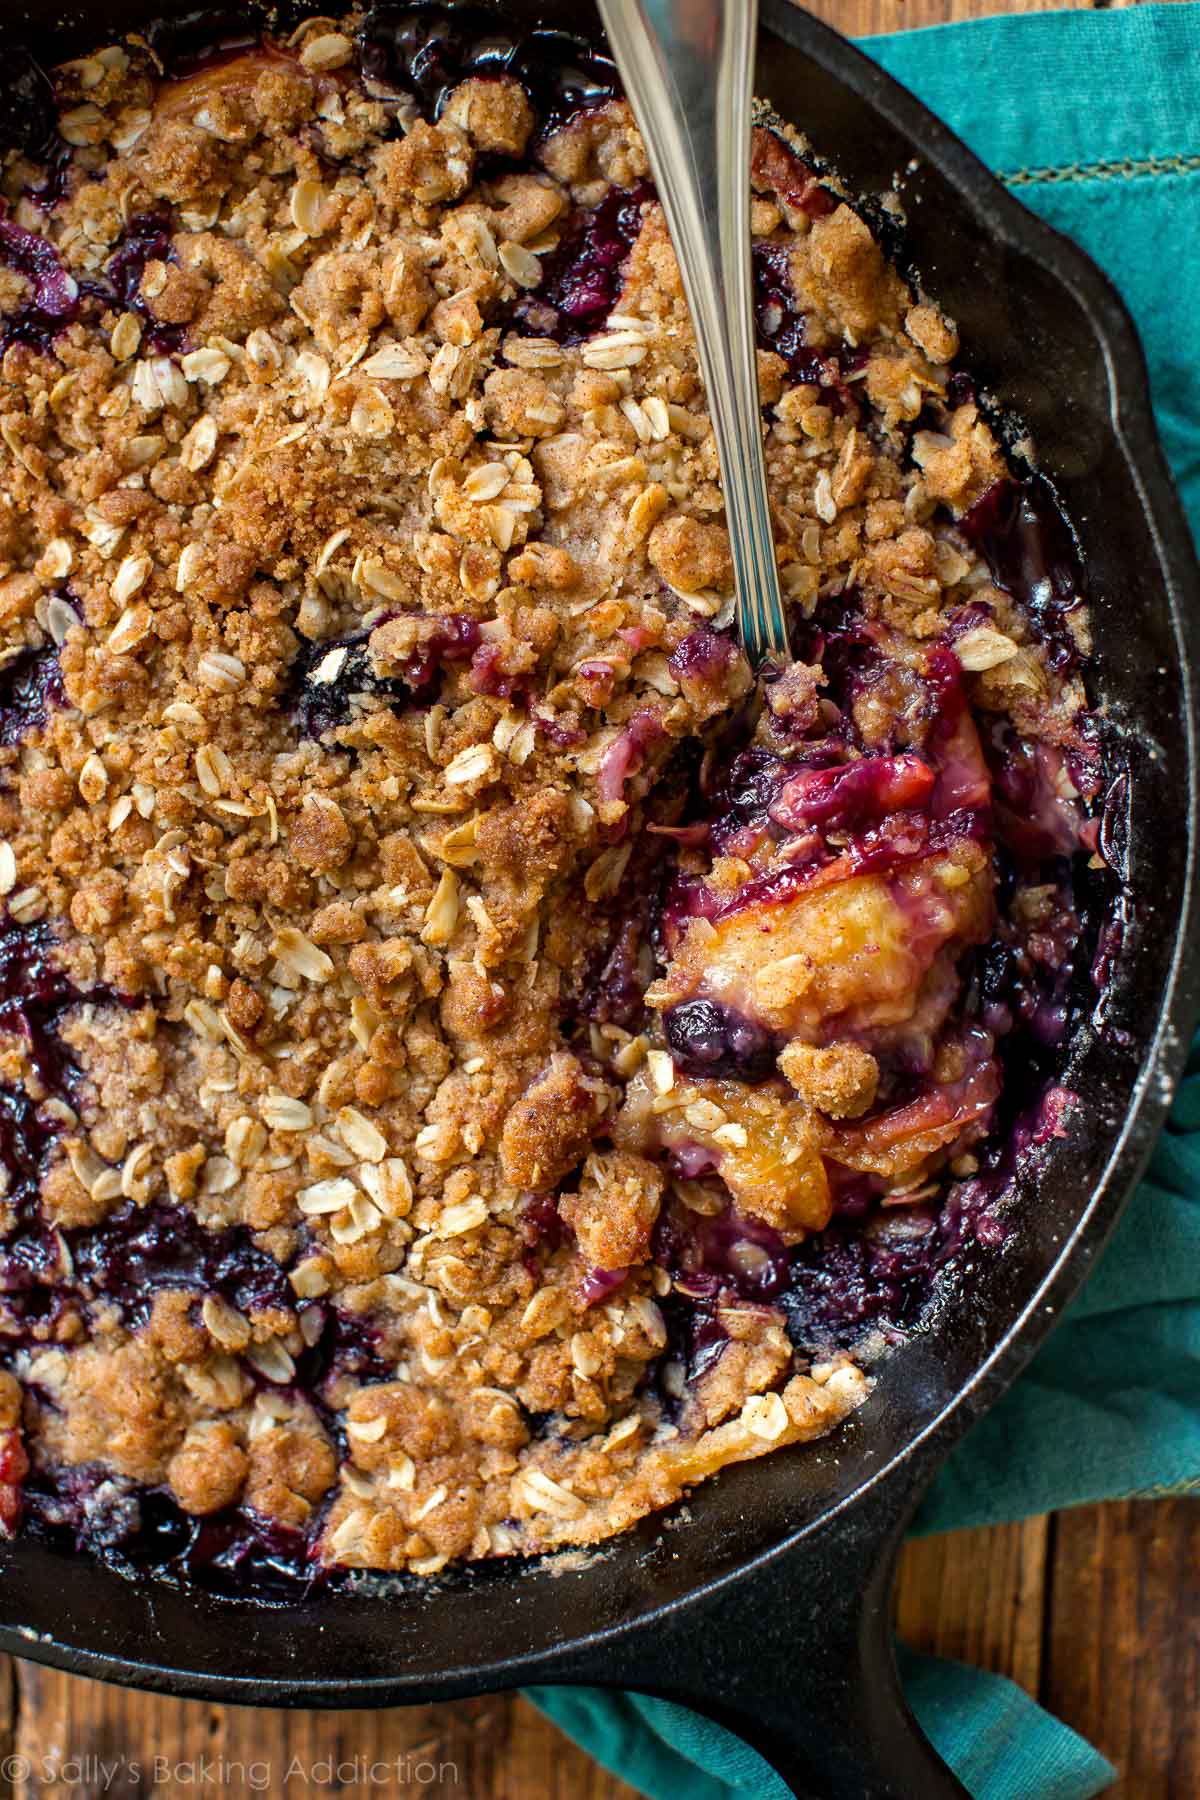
[1094, 1611]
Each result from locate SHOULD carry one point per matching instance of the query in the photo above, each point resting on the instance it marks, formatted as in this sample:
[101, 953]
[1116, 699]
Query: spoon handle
[687, 68]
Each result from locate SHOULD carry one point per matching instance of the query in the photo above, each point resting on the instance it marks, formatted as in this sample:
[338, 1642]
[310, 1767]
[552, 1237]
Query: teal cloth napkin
[1093, 120]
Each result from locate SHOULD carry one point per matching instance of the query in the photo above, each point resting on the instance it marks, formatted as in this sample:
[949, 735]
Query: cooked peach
[763, 1143]
[236, 78]
[840, 958]
[898, 1143]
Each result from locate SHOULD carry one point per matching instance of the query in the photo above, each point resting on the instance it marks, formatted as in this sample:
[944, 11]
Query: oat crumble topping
[468, 1074]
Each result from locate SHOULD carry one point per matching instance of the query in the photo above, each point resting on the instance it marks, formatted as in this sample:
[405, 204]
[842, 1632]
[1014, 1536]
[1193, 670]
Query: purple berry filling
[782, 329]
[781, 324]
[598, 1284]
[703, 655]
[846, 1279]
[236, 1552]
[859, 793]
[133, 1255]
[34, 994]
[26, 1135]
[626, 755]
[455, 640]
[707, 1039]
[324, 684]
[1036, 820]
[741, 803]
[718, 1263]
[615, 994]
[426, 50]
[146, 238]
[1026, 974]
[56, 178]
[564, 733]
[725, 1255]
[57, 299]
[53, 302]
[541, 1222]
[487, 677]
[348, 1344]
[582, 278]
[874, 811]
[138, 1252]
[690, 1160]
[99, 1510]
[1019, 528]
[30, 979]
[142, 1531]
[880, 1266]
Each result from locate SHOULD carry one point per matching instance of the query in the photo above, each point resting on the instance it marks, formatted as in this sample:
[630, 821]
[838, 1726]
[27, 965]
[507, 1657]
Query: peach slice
[898, 1144]
[842, 958]
[763, 1144]
[182, 96]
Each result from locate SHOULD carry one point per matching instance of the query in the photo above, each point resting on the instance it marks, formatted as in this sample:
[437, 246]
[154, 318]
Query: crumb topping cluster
[440, 1016]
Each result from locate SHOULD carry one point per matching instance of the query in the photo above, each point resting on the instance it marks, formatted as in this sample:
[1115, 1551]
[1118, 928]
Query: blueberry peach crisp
[473, 1061]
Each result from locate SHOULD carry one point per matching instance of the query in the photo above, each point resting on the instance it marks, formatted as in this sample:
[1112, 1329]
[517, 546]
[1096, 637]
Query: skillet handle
[797, 1659]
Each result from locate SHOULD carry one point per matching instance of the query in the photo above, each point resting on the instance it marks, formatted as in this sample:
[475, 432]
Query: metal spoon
[687, 67]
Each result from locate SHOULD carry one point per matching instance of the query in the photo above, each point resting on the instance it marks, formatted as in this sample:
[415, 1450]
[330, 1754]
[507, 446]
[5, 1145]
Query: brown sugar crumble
[468, 1074]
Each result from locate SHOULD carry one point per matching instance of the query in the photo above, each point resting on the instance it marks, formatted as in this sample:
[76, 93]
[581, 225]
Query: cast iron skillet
[764, 1601]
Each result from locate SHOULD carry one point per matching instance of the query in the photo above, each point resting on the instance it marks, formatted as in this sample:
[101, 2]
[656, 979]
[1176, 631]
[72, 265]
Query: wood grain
[1096, 1612]
[74, 1737]
[1122, 1659]
[978, 1596]
[861, 18]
